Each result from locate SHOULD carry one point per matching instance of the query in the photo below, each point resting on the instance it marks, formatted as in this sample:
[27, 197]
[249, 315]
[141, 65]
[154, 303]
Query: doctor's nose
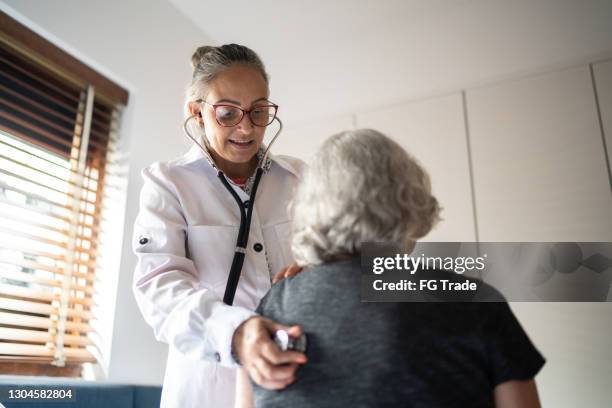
[245, 124]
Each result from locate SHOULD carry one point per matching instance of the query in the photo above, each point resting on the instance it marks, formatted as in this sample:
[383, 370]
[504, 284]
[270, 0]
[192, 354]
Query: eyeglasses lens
[231, 115]
[262, 115]
[228, 115]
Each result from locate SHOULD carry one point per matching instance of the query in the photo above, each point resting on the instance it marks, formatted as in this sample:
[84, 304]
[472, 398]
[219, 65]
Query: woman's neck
[235, 170]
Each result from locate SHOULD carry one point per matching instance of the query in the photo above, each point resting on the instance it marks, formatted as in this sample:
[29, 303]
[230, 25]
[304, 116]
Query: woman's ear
[195, 110]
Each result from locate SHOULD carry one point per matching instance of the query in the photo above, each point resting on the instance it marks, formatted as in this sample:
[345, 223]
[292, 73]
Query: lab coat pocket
[211, 248]
[284, 235]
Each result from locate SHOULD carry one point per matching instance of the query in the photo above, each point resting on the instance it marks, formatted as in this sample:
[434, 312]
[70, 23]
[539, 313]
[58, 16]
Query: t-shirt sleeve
[270, 305]
[261, 308]
[510, 352]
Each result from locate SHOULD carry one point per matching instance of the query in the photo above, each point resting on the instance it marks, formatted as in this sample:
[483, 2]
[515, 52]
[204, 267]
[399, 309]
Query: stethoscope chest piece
[286, 342]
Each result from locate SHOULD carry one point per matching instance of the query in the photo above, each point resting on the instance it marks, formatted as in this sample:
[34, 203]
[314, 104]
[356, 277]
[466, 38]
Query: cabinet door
[574, 337]
[603, 84]
[433, 131]
[539, 164]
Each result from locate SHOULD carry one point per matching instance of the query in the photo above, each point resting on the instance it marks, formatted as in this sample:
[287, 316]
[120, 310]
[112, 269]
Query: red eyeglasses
[230, 115]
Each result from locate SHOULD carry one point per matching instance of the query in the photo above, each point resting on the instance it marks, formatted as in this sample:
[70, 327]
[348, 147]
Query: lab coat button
[143, 240]
[246, 204]
[257, 247]
[218, 357]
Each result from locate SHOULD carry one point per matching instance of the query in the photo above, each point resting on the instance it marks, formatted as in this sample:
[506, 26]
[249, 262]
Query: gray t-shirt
[393, 354]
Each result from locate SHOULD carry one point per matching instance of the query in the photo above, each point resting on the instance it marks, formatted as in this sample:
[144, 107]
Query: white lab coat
[184, 237]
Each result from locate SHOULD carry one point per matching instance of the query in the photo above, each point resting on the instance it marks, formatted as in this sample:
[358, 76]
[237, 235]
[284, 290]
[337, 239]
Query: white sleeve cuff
[221, 324]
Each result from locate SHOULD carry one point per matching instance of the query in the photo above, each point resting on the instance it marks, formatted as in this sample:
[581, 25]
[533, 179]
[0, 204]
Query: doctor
[185, 237]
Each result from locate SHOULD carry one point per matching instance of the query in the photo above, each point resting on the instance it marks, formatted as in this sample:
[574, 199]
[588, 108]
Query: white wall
[146, 47]
[539, 159]
[303, 139]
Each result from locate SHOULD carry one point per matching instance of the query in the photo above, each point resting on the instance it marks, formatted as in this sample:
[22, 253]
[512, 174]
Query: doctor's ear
[194, 109]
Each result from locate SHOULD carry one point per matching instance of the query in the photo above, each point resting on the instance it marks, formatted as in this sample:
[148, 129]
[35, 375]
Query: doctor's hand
[287, 272]
[266, 364]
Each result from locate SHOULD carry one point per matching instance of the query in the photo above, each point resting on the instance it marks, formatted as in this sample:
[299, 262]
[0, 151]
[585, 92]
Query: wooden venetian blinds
[57, 140]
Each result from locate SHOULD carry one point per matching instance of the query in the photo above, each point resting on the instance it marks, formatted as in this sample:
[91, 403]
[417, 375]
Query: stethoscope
[246, 208]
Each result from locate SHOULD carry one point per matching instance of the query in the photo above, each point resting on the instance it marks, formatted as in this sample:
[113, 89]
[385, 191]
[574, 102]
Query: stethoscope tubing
[246, 213]
[243, 235]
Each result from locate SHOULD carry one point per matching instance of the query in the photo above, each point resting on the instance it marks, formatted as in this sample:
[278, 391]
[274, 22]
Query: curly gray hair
[362, 186]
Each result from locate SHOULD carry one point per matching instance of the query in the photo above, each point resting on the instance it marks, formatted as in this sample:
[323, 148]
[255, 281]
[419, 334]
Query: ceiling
[341, 56]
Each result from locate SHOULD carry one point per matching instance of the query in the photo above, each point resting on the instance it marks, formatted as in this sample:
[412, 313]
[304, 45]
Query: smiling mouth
[241, 143]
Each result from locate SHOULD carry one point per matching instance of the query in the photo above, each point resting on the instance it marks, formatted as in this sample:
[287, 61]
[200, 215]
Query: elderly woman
[363, 186]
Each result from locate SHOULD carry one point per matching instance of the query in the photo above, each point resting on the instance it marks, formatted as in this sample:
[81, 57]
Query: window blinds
[57, 141]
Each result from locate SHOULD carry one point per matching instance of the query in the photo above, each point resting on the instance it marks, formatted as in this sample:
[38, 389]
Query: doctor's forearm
[193, 321]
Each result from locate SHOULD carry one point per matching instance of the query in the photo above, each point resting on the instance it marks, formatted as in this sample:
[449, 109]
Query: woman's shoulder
[167, 170]
[190, 157]
[291, 164]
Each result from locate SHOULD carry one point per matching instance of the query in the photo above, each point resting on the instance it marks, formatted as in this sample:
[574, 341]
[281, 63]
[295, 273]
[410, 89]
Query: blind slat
[34, 196]
[64, 195]
[39, 308]
[30, 243]
[26, 263]
[39, 336]
[41, 184]
[44, 95]
[59, 150]
[31, 237]
[43, 295]
[101, 116]
[90, 208]
[68, 133]
[14, 319]
[45, 173]
[50, 217]
[22, 66]
[33, 278]
[33, 128]
[21, 147]
[42, 254]
[38, 360]
[30, 207]
[17, 349]
[34, 223]
[19, 95]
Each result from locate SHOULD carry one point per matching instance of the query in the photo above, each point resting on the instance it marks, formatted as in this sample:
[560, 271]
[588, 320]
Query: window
[58, 136]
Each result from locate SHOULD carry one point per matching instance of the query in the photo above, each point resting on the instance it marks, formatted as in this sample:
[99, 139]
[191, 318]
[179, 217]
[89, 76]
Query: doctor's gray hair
[362, 186]
[208, 61]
